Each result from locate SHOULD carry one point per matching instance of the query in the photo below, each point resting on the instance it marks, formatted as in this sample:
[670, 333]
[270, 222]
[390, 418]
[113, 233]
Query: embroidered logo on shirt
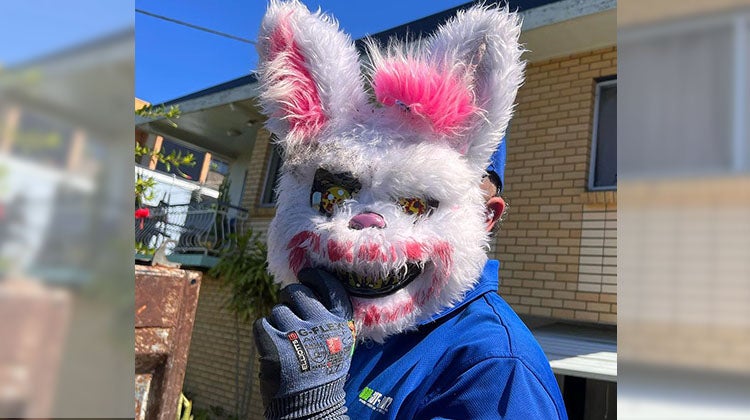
[375, 400]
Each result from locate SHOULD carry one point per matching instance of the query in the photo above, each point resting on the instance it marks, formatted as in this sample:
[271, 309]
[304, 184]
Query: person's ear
[494, 211]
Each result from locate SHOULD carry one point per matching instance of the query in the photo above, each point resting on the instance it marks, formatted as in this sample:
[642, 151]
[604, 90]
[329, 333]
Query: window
[272, 175]
[43, 139]
[685, 112]
[218, 170]
[191, 173]
[603, 169]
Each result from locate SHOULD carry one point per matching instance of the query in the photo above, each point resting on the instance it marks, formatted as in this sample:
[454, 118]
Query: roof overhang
[224, 119]
[223, 122]
[85, 86]
[568, 27]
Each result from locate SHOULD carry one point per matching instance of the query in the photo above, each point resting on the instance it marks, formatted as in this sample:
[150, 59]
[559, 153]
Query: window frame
[275, 153]
[600, 83]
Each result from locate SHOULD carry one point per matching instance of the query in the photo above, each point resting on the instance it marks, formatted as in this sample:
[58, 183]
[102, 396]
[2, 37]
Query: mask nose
[366, 220]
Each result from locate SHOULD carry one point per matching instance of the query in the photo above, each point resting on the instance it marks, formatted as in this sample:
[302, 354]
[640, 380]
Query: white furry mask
[384, 192]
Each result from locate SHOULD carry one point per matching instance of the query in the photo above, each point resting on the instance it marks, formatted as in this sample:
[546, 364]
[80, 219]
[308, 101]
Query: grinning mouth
[371, 286]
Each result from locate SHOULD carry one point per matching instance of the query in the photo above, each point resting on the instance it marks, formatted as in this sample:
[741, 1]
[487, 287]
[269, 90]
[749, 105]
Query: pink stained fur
[440, 98]
[303, 106]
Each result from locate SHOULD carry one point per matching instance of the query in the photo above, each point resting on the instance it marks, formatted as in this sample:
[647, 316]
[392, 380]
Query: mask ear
[308, 72]
[481, 45]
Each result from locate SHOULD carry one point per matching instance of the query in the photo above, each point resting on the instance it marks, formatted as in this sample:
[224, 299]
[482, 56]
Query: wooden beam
[156, 149]
[205, 168]
[9, 129]
[76, 150]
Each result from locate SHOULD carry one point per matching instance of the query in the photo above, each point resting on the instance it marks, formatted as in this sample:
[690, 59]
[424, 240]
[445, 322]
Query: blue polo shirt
[476, 360]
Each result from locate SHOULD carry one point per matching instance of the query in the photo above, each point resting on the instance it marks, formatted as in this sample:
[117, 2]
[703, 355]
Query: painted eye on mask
[418, 206]
[330, 190]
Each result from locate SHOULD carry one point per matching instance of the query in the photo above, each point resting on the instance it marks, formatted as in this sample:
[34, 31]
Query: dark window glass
[272, 176]
[191, 173]
[604, 159]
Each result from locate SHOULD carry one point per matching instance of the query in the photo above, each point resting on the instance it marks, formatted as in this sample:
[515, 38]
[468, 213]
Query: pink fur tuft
[440, 98]
[303, 105]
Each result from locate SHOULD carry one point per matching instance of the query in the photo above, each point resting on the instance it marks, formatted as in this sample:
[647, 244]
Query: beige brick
[590, 269]
[609, 288]
[574, 304]
[568, 259]
[587, 297]
[555, 267]
[561, 294]
[597, 307]
[539, 311]
[554, 285]
[607, 318]
[563, 313]
[533, 284]
[552, 303]
[544, 275]
[606, 297]
[586, 316]
[579, 68]
[542, 293]
[589, 287]
[594, 58]
[531, 301]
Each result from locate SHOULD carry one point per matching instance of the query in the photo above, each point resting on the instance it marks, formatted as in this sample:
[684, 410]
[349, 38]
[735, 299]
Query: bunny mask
[381, 172]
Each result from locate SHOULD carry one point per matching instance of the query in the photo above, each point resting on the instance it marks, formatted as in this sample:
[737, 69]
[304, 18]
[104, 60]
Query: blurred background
[66, 265]
[66, 274]
[684, 190]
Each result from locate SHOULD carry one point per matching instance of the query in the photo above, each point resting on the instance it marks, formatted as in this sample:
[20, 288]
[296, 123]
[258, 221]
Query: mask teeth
[376, 281]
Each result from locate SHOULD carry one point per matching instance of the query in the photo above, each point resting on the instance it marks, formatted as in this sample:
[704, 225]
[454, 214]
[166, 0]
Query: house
[59, 115]
[53, 149]
[558, 242]
[685, 235]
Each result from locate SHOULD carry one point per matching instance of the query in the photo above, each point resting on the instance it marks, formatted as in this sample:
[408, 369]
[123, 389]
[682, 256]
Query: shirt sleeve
[496, 388]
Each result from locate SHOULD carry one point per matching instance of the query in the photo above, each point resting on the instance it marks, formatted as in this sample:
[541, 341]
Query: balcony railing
[195, 234]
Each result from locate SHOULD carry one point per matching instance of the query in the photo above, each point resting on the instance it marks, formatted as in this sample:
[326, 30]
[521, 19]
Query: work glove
[305, 348]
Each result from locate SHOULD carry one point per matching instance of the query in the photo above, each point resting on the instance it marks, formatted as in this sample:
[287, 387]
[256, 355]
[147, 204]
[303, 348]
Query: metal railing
[205, 229]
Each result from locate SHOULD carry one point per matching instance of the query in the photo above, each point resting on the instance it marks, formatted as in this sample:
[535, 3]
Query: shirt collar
[488, 282]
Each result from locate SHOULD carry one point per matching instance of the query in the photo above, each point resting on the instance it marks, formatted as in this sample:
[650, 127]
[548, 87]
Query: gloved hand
[305, 348]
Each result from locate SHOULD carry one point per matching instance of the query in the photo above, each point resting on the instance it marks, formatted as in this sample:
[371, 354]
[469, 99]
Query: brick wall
[210, 377]
[256, 177]
[210, 374]
[553, 263]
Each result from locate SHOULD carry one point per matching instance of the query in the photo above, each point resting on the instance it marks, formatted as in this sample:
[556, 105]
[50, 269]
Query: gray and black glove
[305, 348]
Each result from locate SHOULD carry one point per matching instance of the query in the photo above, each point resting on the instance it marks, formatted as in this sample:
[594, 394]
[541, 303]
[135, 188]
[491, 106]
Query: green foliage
[34, 141]
[224, 196]
[201, 414]
[174, 159]
[143, 249]
[243, 270]
[144, 189]
[144, 186]
[161, 111]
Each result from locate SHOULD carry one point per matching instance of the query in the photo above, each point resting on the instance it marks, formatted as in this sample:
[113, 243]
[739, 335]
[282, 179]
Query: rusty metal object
[165, 303]
[33, 325]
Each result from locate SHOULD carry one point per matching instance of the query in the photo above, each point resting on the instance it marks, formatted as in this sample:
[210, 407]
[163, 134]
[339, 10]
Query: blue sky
[173, 60]
[35, 28]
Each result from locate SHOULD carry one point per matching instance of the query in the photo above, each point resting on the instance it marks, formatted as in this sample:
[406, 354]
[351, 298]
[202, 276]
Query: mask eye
[331, 190]
[328, 199]
[417, 206]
